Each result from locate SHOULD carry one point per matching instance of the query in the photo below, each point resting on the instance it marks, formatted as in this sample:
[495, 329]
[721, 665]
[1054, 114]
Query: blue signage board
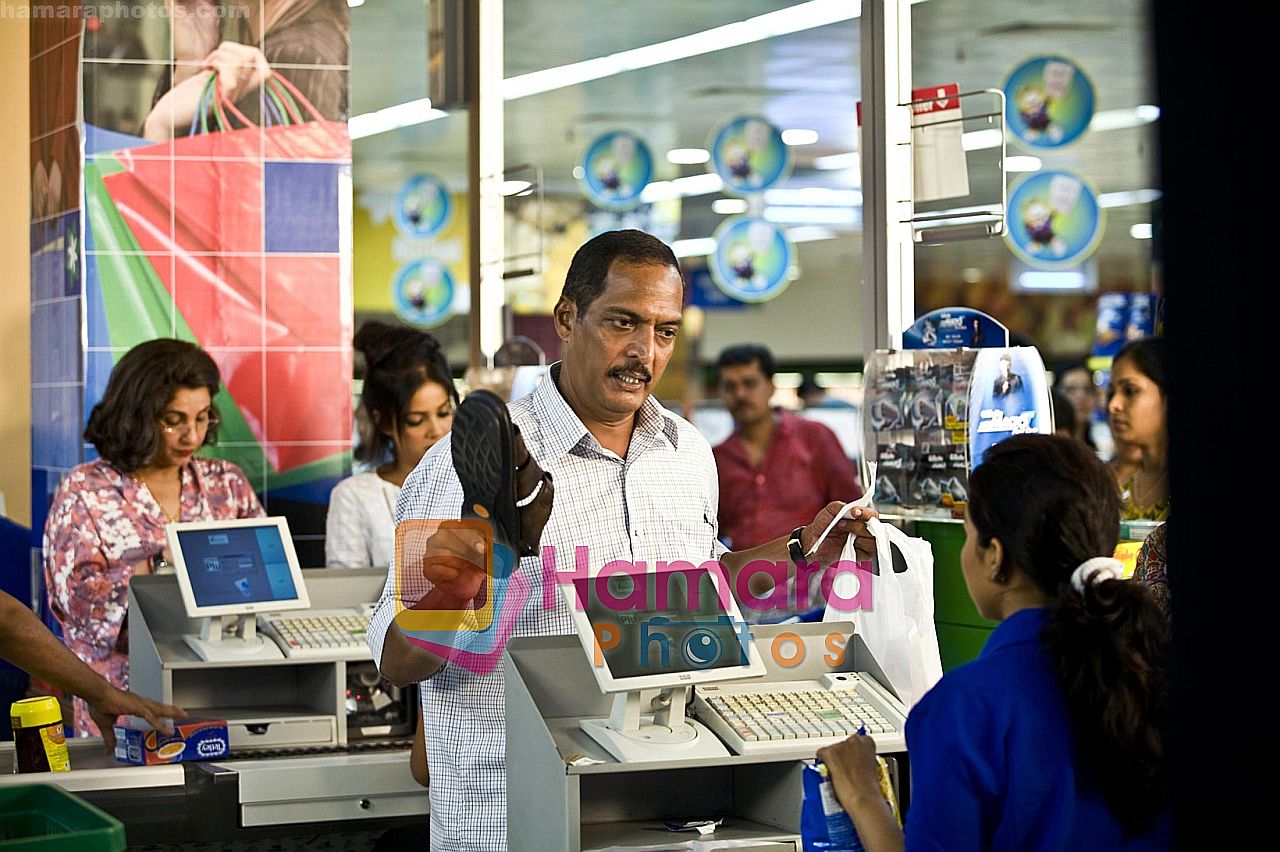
[955, 328]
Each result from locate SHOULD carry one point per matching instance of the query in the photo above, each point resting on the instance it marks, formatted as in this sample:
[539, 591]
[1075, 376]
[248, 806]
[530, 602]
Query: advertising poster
[1049, 102]
[752, 259]
[616, 168]
[1055, 221]
[749, 155]
[423, 292]
[217, 210]
[422, 207]
[1009, 395]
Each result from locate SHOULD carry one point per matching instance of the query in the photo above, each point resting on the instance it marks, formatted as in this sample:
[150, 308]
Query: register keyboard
[800, 716]
[336, 634]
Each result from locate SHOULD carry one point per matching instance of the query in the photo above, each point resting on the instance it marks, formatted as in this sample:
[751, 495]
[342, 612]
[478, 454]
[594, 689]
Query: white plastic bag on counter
[898, 628]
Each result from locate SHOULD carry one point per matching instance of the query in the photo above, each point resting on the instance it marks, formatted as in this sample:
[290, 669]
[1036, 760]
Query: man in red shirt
[776, 470]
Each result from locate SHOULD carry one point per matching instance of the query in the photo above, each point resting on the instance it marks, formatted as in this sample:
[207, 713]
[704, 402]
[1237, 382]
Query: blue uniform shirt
[992, 761]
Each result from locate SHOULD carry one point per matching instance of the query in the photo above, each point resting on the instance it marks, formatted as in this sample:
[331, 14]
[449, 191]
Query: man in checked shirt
[632, 481]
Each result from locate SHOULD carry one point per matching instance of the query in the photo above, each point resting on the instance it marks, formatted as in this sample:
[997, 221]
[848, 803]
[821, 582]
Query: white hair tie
[1096, 570]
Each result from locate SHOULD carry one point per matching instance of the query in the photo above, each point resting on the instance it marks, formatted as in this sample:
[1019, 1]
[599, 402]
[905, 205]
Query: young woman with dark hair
[107, 519]
[407, 405]
[1139, 419]
[1054, 738]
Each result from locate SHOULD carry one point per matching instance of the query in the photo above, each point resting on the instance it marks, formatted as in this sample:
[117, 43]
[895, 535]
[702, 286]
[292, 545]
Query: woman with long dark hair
[1054, 738]
[407, 405]
[108, 516]
[1139, 419]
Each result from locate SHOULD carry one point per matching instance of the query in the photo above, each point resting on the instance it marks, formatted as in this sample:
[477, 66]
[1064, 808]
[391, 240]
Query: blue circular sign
[749, 155]
[422, 206]
[1055, 221]
[1048, 102]
[752, 260]
[616, 168]
[422, 292]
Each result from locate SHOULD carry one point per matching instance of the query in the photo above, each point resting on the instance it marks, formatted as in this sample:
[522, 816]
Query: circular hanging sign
[422, 206]
[1054, 220]
[752, 259]
[615, 169]
[422, 292]
[749, 155]
[1048, 102]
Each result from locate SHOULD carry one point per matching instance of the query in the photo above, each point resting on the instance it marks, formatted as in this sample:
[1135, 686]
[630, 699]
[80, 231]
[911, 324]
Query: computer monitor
[231, 569]
[650, 635]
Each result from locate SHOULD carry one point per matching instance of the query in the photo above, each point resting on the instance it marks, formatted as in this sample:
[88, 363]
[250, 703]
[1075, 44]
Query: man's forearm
[760, 583]
[403, 662]
[26, 643]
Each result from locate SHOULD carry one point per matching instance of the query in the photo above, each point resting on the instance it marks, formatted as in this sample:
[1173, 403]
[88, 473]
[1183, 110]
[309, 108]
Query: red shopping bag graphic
[242, 227]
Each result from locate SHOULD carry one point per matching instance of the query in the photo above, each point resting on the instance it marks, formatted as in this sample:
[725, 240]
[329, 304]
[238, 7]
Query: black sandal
[483, 439]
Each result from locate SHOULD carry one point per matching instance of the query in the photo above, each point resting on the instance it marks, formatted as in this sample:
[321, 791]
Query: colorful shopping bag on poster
[241, 225]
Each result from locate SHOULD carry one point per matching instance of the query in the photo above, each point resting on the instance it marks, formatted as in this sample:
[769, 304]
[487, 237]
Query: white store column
[484, 182]
[888, 250]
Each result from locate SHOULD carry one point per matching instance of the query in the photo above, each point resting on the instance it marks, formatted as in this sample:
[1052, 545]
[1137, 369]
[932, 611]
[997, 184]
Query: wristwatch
[794, 548]
[159, 564]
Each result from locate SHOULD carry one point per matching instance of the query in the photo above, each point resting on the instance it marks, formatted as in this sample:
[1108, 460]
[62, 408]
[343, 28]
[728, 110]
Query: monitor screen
[662, 626]
[246, 566]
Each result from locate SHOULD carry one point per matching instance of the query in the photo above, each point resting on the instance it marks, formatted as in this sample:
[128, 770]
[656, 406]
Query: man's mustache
[632, 367]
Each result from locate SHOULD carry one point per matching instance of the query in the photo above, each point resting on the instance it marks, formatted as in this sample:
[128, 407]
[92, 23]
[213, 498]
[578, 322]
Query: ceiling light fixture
[392, 118]
[1045, 279]
[809, 233]
[1022, 164]
[355, 3]
[665, 190]
[814, 196]
[515, 187]
[688, 156]
[1141, 231]
[698, 247]
[729, 206]
[1128, 198]
[811, 215]
[799, 136]
[831, 162]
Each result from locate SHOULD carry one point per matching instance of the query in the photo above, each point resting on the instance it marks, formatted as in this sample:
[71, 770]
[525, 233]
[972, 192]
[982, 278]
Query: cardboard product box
[139, 743]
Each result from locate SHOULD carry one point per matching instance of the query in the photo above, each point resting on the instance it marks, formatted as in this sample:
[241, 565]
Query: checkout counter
[296, 766]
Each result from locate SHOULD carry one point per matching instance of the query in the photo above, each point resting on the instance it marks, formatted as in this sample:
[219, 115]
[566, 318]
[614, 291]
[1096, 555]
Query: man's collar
[564, 430]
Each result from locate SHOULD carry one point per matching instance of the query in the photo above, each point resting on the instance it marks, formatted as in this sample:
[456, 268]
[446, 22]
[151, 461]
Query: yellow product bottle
[40, 744]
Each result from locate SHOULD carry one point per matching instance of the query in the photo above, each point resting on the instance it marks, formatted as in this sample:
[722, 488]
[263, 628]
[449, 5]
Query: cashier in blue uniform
[1055, 737]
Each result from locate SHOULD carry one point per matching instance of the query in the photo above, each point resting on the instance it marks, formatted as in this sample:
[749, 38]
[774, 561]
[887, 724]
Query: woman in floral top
[108, 516]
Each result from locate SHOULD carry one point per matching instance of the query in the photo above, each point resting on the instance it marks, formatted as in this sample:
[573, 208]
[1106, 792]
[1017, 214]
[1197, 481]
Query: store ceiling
[808, 79]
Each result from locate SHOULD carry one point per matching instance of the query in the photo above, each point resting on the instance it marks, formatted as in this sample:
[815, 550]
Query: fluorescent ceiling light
[729, 206]
[1119, 119]
[1128, 197]
[699, 247]
[664, 190]
[688, 156]
[794, 19]
[354, 3]
[579, 173]
[977, 140]
[1141, 231]
[812, 215]
[1042, 279]
[814, 196]
[799, 136]
[809, 233]
[831, 162]
[392, 118]
[515, 187]
[1022, 164]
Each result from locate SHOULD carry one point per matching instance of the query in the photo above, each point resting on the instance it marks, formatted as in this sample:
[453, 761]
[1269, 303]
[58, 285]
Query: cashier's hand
[113, 703]
[854, 772]
[854, 524]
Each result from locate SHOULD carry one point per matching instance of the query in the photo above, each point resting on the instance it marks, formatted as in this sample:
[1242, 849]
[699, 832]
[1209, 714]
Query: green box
[960, 643]
[45, 818]
[951, 601]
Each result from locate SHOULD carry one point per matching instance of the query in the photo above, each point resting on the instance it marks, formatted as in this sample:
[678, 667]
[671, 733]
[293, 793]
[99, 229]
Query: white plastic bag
[898, 628]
